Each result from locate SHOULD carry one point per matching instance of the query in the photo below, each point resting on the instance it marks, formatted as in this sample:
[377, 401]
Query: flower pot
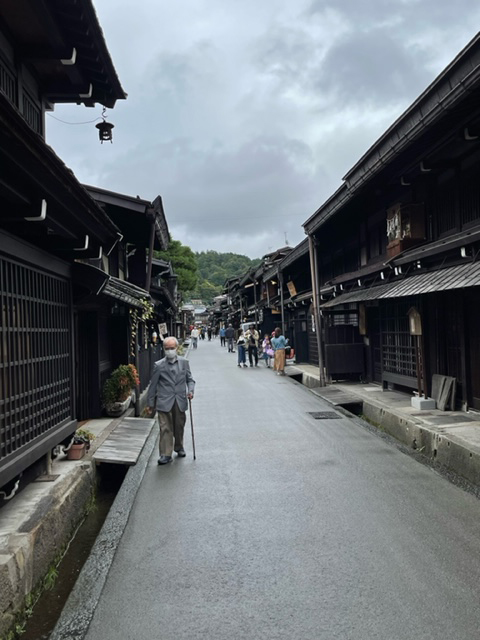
[116, 409]
[77, 451]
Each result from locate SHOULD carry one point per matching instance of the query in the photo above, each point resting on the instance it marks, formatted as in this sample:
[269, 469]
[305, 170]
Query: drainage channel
[49, 606]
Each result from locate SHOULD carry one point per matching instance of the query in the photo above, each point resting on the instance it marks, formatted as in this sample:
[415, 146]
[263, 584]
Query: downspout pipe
[312, 247]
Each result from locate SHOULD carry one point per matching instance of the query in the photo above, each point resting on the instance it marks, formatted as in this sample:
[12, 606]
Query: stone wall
[35, 528]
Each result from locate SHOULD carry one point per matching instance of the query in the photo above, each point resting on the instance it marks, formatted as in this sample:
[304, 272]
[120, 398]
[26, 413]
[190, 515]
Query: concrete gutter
[307, 374]
[37, 523]
[80, 606]
[454, 442]
[35, 527]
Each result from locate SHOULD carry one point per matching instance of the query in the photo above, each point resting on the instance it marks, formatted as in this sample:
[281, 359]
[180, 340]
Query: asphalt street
[290, 527]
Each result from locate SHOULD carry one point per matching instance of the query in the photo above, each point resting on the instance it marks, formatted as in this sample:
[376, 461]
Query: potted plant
[80, 444]
[117, 392]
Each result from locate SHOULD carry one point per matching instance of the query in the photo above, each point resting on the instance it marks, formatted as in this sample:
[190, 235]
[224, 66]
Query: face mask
[171, 354]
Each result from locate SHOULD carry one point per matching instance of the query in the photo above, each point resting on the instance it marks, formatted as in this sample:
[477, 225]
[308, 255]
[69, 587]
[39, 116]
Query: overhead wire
[65, 122]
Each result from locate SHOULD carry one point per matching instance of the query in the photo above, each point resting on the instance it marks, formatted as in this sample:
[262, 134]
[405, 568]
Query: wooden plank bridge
[126, 441]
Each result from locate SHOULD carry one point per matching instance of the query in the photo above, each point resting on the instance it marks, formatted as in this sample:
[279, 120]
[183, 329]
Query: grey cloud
[252, 112]
[285, 53]
[247, 190]
[371, 68]
[410, 15]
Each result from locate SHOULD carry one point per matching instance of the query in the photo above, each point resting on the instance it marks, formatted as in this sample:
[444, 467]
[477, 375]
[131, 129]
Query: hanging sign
[163, 328]
[415, 322]
[291, 289]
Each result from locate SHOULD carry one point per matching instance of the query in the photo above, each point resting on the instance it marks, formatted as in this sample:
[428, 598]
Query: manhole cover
[324, 415]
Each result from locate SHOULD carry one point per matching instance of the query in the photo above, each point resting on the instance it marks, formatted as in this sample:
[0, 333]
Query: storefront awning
[458, 277]
[96, 282]
[125, 292]
[162, 294]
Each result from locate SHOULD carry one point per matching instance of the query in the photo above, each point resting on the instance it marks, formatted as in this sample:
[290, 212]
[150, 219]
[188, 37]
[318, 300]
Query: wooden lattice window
[32, 114]
[445, 200]
[8, 83]
[35, 354]
[470, 196]
[398, 348]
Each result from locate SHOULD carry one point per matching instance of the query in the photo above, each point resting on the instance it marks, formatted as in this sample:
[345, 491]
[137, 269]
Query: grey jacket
[167, 387]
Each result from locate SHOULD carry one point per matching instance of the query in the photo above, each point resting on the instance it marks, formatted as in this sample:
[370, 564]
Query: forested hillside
[214, 268]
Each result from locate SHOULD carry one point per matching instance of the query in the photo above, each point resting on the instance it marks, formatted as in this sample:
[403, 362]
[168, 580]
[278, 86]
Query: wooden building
[143, 229]
[294, 278]
[253, 298]
[50, 52]
[401, 236]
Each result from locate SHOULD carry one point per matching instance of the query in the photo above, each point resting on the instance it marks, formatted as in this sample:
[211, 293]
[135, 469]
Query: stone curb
[446, 450]
[80, 607]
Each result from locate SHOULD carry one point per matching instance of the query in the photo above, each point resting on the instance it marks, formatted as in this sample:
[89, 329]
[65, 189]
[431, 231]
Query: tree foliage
[215, 268]
[202, 275]
[184, 264]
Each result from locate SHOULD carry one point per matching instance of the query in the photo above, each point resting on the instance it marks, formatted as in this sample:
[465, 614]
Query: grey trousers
[172, 424]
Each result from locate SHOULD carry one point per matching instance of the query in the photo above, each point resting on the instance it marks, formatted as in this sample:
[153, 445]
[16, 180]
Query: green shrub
[120, 384]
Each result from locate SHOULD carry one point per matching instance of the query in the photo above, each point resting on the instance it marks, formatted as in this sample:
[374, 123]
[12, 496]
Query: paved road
[290, 527]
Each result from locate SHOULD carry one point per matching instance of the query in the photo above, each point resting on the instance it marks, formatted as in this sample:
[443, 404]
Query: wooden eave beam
[44, 17]
[65, 91]
[471, 132]
[13, 195]
[28, 167]
[81, 22]
[44, 54]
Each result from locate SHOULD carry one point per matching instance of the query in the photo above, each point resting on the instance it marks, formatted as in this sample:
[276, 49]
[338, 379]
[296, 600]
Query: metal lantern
[105, 130]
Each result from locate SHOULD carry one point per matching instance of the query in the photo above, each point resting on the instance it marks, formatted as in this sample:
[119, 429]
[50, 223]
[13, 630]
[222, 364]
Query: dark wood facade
[294, 278]
[144, 229]
[37, 407]
[277, 293]
[50, 52]
[403, 233]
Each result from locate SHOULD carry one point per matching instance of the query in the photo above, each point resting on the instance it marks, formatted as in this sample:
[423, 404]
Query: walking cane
[191, 424]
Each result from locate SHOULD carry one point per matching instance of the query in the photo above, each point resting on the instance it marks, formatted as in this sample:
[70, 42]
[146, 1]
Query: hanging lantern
[105, 128]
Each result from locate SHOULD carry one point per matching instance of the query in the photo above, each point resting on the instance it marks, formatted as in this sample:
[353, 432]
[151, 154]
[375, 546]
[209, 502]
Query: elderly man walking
[169, 388]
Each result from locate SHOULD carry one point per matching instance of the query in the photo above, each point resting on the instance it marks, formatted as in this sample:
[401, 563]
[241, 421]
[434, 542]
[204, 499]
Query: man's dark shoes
[164, 459]
[181, 453]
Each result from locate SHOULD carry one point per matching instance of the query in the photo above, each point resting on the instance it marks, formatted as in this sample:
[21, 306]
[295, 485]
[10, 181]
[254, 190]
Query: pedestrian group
[248, 344]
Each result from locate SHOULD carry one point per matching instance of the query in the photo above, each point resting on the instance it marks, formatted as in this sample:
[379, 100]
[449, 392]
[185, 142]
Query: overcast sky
[244, 115]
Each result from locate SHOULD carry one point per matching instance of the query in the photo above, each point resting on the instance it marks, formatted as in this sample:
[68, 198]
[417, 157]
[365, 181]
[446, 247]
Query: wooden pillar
[148, 276]
[316, 308]
[280, 284]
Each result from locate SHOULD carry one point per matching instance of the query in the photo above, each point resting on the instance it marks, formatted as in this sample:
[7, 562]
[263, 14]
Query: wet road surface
[290, 527]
